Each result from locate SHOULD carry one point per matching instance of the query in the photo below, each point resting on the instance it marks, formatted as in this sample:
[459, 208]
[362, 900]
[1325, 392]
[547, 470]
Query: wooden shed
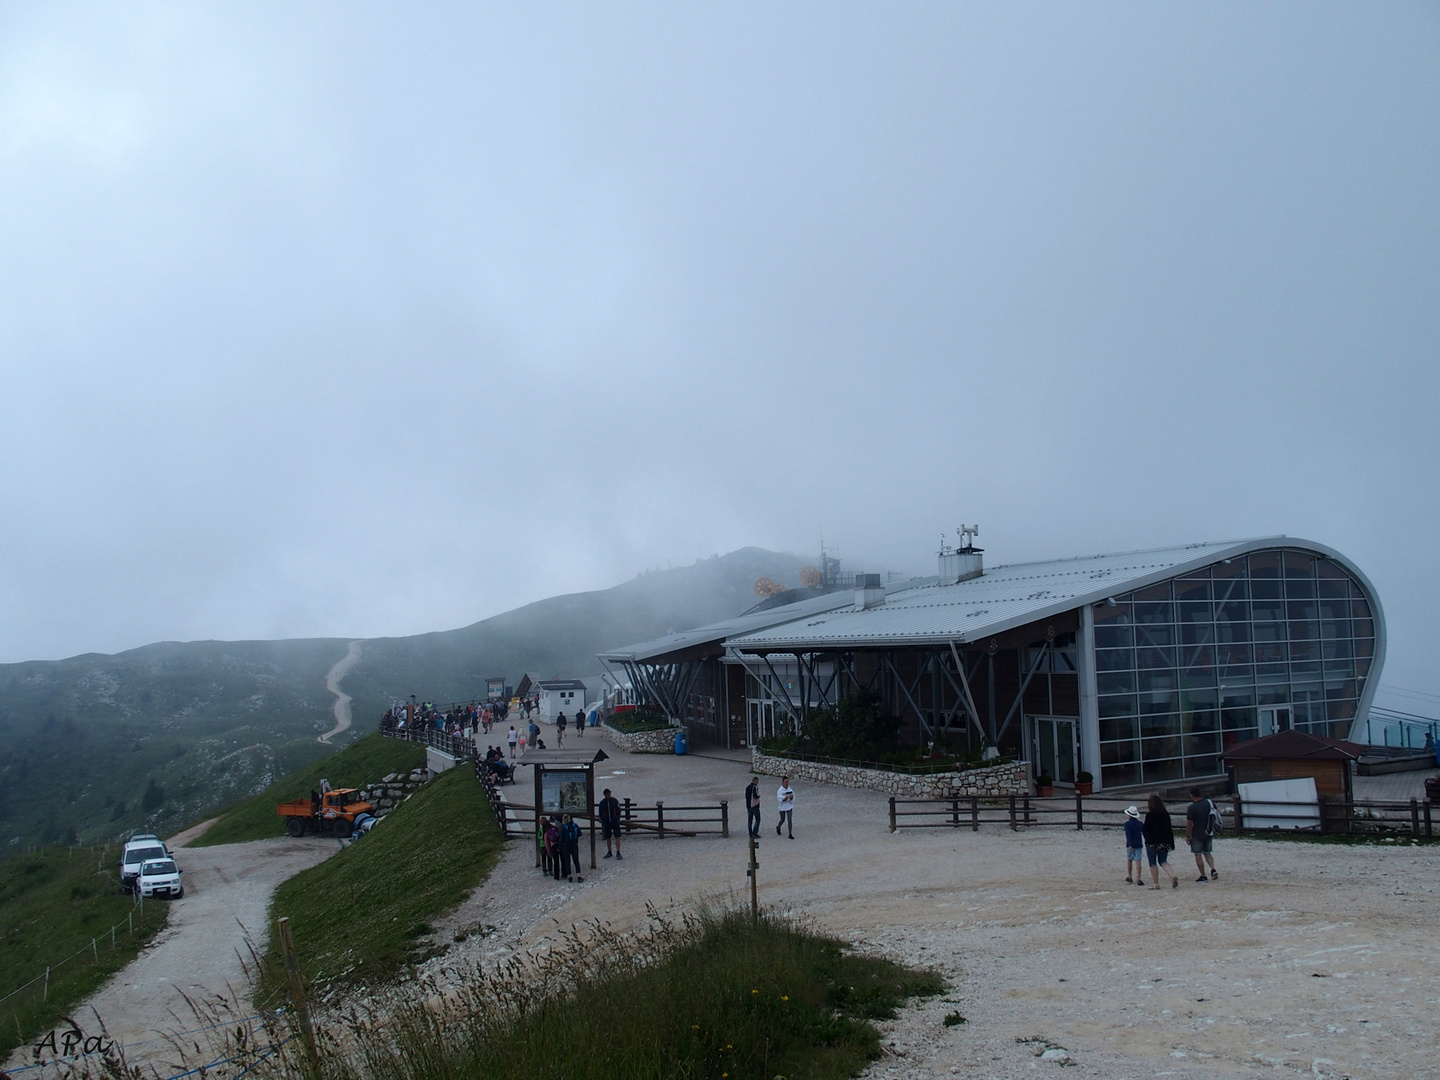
[1289, 755]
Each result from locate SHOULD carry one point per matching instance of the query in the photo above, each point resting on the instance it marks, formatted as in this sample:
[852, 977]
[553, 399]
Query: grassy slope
[53, 903]
[367, 760]
[357, 917]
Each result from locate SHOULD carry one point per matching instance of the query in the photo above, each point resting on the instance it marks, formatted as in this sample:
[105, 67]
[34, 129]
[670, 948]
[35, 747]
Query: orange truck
[336, 812]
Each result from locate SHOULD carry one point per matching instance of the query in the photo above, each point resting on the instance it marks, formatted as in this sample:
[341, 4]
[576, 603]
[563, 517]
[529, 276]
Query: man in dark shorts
[560, 722]
[1198, 832]
[610, 823]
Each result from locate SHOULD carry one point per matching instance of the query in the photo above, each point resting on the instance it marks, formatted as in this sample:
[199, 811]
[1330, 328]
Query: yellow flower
[754, 991]
[784, 997]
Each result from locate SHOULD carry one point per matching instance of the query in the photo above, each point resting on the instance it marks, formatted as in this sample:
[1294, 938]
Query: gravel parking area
[1302, 960]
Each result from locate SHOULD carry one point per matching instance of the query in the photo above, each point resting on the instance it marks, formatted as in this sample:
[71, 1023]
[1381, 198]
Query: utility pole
[754, 894]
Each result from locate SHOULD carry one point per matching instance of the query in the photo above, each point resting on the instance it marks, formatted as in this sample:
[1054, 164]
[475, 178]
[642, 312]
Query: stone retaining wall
[660, 741]
[1010, 779]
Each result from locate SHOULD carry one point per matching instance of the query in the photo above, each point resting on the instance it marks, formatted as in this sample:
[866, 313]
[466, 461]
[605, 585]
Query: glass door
[1274, 719]
[1053, 747]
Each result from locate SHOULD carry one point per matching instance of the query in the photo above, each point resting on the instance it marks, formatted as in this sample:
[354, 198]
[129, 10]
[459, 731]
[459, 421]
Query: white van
[135, 855]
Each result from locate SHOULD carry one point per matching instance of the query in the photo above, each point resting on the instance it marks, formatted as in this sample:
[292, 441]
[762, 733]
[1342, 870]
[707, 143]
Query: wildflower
[754, 991]
[784, 997]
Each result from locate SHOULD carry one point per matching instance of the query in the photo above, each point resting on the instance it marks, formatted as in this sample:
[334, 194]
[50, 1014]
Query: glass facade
[1183, 669]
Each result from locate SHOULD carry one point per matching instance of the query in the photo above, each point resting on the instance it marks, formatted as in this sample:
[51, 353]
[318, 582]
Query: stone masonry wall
[1011, 779]
[661, 741]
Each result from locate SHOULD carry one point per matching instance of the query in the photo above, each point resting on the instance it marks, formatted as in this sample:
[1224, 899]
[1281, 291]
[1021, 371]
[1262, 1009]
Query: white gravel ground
[1301, 960]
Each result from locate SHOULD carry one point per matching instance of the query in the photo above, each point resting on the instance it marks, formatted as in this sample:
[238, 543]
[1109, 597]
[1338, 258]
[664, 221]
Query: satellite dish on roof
[810, 577]
[765, 587]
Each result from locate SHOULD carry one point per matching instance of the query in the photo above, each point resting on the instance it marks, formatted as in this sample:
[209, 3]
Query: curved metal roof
[1008, 596]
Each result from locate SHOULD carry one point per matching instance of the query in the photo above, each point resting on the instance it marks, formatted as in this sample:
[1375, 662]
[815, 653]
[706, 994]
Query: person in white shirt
[785, 796]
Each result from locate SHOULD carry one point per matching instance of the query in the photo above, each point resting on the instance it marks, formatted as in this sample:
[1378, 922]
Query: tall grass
[715, 997]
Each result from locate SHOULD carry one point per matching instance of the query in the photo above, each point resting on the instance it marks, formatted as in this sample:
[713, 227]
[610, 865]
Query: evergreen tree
[154, 796]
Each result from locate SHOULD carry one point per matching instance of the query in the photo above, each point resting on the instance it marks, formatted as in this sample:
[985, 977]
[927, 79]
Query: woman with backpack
[1159, 841]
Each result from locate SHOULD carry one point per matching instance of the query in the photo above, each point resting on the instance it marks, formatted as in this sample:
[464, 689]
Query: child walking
[1134, 846]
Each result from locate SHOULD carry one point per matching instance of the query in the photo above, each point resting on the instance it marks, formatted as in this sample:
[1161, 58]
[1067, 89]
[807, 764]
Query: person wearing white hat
[1134, 846]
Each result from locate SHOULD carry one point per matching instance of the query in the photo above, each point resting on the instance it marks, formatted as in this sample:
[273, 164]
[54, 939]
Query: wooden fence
[1326, 815]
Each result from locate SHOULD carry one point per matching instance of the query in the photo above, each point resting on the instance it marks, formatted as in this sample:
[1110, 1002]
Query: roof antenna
[967, 534]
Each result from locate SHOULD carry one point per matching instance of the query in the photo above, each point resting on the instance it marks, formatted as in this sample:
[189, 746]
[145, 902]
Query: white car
[135, 855]
[159, 877]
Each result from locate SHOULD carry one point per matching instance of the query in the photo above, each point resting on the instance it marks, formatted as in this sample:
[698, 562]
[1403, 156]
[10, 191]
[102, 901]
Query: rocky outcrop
[660, 741]
[1012, 778]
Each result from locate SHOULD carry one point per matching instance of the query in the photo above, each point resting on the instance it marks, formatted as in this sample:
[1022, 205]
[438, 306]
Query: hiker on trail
[785, 797]
[512, 738]
[560, 723]
[1134, 846]
[610, 823]
[1200, 819]
[1159, 841]
[580, 722]
[752, 808]
[570, 849]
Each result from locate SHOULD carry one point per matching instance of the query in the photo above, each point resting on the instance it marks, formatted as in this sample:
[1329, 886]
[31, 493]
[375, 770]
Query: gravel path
[202, 952]
[342, 700]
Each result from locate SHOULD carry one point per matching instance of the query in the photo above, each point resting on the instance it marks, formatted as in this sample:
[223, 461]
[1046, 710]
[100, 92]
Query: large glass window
[1183, 666]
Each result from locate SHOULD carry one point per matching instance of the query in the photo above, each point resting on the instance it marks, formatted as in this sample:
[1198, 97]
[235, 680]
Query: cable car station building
[1140, 668]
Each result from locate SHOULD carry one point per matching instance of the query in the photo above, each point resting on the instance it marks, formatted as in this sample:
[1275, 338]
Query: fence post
[892, 813]
[1415, 816]
[974, 813]
[660, 817]
[1079, 812]
[95, 950]
[1239, 817]
[47, 983]
[955, 812]
[297, 993]
[1429, 831]
[627, 814]
[1026, 799]
[1013, 826]
[725, 818]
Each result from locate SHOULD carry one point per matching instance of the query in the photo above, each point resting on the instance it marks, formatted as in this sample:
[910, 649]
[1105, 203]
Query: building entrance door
[1053, 747]
[1274, 718]
[762, 720]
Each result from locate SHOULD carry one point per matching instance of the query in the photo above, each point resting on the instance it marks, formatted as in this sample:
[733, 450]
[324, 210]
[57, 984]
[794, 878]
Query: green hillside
[58, 908]
[94, 747]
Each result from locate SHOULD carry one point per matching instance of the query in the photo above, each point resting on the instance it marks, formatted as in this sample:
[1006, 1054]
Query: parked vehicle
[334, 812]
[160, 877]
[135, 855]
[143, 836]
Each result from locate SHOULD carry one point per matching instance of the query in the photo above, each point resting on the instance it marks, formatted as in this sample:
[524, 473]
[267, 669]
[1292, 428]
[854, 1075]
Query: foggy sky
[356, 320]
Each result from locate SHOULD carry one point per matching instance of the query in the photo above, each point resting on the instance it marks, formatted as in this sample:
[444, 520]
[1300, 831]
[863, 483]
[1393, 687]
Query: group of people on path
[558, 839]
[1155, 839]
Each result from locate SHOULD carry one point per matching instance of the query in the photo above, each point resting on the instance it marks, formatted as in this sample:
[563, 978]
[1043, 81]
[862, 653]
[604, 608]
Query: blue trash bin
[680, 744]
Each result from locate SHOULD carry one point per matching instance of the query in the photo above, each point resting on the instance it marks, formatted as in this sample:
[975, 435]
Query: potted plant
[1044, 785]
[1084, 783]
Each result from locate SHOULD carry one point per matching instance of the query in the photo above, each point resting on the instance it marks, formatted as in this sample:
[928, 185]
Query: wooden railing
[1326, 815]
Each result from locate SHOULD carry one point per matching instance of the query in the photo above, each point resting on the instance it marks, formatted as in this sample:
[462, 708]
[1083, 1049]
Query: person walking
[785, 796]
[580, 722]
[542, 826]
[512, 738]
[1200, 818]
[1134, 846]
[609, 814]
[1159, 841]
[752, 808]
[570, 849]
[560, 723]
